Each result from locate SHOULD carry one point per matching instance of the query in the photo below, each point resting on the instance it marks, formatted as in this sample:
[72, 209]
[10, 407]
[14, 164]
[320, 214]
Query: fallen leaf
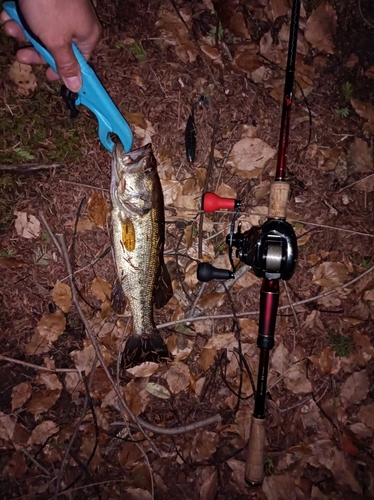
[219, 340]
[204, 444]
[295, 379]
[212, 300]
[355, 388]
[11, 262]
[158, 390]
[51, 326]
[145, 369]
[225, 191]
[97, 209]
[135, 118]
[366, 415]
[37, 345]
[27, 225]
[83, 359]
[320, 28]
[133, 398]
[331, 274]
[137, 494]
[363, 109]
[84, 224]
[50, 380]
[207, 251]
[366, 184]
[42, 432]
[281, 358]
[20, 394]
[207, 358]
[16, 466]
[101, 289]
[361, 156]
[129, 455]
[209, 487]
[23, 76]
[249, 156]
[178, 377]
[42, 401]
[61, 295]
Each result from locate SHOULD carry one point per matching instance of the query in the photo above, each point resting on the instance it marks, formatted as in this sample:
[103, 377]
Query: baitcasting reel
[270, 249]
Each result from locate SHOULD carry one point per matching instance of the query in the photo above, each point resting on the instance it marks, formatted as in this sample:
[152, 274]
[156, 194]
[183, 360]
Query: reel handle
[206, 272]
[254, 466]
[212, 202]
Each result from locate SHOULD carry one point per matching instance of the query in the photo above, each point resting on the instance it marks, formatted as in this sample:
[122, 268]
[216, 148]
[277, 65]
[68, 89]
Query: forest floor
[63, 433]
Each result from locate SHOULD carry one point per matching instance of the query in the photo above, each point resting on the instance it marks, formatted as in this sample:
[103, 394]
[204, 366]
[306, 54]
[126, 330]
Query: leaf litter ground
[58, 409]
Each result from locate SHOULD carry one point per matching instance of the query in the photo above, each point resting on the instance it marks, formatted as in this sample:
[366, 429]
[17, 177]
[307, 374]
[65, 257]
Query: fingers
[67, 66]
[12, 28]
[29, 55]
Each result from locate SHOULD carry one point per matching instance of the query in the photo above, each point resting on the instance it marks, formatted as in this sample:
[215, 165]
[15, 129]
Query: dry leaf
[22, 75]
[137, 494]
[361, 156]
[101, 289]
[51, 326]
[363, 109]
[281, 358]
[207, 251]
[220, 340]
[27, 226]
[50, 380]
[145, 369]
[171, 190]
[43, 401]
[133, 398]
[37, 345]
[97, 209]
[158, 390]
[331, 274]
[366, 415]
[135, 118]
[225, 191]
[11, 262]
[249, 156]
[129, 455]
[320, 28]
[295, 379]
[207, 358]
[20, 394]
[16, 466]
[178, 377]
[83, 359]
[212, 300]
[204, 444]
[355, 388]
[61, 295]
[84, 224]
[42, 432]
[209, 487]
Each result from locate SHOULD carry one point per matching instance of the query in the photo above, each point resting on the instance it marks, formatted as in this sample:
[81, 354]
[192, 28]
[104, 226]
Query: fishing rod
[271, 251]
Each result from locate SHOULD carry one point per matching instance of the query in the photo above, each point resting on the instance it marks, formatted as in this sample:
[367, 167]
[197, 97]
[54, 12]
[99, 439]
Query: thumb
[67, 66]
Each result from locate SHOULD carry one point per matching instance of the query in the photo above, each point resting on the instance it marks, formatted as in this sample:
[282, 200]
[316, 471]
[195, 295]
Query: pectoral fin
[163, 291]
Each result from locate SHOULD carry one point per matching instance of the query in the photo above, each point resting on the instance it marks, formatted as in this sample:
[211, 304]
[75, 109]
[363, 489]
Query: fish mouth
[133, 162]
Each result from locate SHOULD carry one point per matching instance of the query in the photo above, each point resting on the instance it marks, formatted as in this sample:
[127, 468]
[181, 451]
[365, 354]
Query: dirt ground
[62, 431]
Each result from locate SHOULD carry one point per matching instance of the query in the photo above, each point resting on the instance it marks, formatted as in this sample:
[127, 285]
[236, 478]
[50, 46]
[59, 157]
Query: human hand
[58, 24]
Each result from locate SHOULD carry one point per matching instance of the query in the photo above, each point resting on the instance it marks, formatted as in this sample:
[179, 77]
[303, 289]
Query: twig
[230, 283]
[23, 168]
[35, 462]
[36, 367]
[254, 313]
[74, 435]
[355, 182]
[173, 431]
[80, 184]
[201, 291]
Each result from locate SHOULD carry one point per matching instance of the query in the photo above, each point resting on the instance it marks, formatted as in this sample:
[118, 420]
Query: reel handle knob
[213, 202]
[207, 272]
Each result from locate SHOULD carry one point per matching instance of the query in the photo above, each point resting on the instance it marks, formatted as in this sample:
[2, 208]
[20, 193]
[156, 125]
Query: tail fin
[146, 347]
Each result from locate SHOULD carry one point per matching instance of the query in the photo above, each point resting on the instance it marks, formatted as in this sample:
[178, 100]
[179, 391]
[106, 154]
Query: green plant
[341, 344]
[269, 466]
[7, 252]
[24, 154]
[42, 256]
[342, 112]
[347, 89]
[367, 263]
[216, 32]
[138, 51]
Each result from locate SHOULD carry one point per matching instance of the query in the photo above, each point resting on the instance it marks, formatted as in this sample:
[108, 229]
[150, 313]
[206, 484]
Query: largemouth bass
[138, 233]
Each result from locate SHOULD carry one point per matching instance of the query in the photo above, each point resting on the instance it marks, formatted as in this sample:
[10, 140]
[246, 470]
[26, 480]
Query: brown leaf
[133, 398]
[363, 109]
[27, 225]
[212, 54]
[135, 118]
[37, 345]
[20, 394]
[61, 295]
[97, 209]
[101, 289]
[137, 494]
[331, 274]
[206, 358]
[129, 455]
[212, 300]
[366, 415]
[249, 156]
[361, 156]
[355, 388]
[16, 466]
[295, 379]
[7, 425]
[42, 432]
[320, 28]
[50, 380]
[178, 377]
[204, 444]
[11, 262]
[366, 184]
[83, 359]
[145, 369]
[187, 237]
[209, 487]
[43, 401]
[23, 76]
[51, 326]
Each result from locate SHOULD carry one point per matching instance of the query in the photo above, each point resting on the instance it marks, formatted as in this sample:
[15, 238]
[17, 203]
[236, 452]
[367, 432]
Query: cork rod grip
[254, 466]
[278, 199]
